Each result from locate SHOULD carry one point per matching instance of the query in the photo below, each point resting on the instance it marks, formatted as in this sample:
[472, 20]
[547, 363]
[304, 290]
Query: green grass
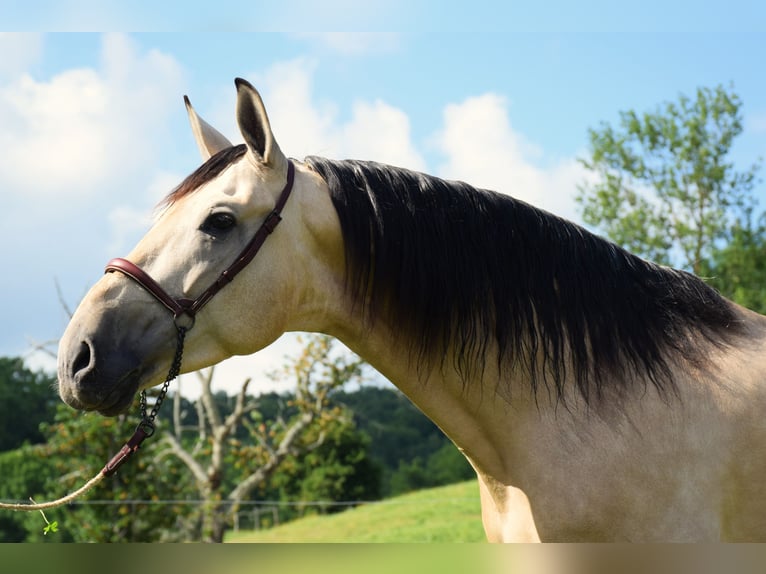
[445, 514]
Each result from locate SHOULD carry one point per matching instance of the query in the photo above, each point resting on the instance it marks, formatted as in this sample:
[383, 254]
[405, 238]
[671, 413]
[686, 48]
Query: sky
[93, 131]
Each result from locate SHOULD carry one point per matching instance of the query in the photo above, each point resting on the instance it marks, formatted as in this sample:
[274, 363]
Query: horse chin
[120, 406]
[119, 400]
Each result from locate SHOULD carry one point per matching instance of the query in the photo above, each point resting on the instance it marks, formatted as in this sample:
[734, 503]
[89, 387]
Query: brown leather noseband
[180, 306]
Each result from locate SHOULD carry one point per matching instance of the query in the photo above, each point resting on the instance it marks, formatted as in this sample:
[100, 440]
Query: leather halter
[190, 307]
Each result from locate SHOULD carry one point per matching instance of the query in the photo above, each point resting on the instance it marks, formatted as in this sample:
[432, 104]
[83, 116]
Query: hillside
[444, 514]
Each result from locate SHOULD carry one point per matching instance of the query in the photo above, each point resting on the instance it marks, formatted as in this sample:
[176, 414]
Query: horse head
[121, 339]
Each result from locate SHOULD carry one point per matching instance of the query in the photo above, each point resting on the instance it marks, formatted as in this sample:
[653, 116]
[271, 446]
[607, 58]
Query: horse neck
[469, 412]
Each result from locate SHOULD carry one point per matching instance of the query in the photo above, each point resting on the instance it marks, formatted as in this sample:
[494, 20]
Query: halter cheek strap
[180, 306]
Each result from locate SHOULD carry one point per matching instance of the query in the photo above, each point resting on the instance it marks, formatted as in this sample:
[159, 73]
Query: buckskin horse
[598, 396]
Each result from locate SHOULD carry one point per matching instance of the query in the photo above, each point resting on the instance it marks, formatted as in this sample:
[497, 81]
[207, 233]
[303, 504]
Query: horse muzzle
[89, 380]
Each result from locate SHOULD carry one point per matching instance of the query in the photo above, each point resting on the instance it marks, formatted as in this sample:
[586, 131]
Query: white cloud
[477, 140]
[83, 128]
[129, 222]
[301, 125]
[380, 132]
[482, 148]
[306, 125]
[231, 374]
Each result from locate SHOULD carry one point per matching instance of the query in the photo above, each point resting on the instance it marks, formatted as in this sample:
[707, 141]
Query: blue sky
[94, 129]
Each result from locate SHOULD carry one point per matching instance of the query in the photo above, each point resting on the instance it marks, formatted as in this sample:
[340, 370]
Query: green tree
[447, 466]
[27, 398]
[280, 451]
[338, 470]
[410, 449]
[24, 473]
[738, 269]
[665, 186]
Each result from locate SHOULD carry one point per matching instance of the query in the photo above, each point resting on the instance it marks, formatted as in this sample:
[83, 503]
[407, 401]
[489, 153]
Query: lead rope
[144, 430]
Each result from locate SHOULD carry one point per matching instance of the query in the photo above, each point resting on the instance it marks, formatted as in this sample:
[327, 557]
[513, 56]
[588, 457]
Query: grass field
[445, 514]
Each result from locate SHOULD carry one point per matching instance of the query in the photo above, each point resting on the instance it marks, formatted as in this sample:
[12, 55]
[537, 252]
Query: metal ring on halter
[190, 318]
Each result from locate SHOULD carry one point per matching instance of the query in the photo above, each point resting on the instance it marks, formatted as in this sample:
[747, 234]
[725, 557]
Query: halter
[181, 306]
[185, 310]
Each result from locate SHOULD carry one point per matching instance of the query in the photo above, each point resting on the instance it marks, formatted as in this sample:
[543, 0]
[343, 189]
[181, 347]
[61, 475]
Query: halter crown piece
[185, 310]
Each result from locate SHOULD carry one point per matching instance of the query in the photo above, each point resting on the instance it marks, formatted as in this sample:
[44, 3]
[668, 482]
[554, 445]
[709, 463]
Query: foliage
[26, 399]
[665, 186]
[79, 445]
[25, 472]
[401, 439]
[339, 470]
[738, 269]
[445, 466]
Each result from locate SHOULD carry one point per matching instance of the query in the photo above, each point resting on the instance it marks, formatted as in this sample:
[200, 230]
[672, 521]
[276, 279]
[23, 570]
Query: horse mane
[459, 268]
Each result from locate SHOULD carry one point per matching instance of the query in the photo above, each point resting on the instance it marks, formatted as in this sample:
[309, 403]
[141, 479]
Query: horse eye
[218, 222]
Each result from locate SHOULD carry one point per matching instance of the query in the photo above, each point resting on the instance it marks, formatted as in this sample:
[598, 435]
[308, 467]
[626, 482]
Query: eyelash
[218, 223]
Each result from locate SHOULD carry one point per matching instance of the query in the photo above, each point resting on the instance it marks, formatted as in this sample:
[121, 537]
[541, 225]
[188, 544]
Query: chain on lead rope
[146, 427]
[175, 369]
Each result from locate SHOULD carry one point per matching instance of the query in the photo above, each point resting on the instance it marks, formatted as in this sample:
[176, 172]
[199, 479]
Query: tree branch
[184, 456]
[285, 448]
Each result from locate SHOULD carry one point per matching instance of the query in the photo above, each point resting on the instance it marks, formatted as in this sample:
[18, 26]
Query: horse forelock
[205, 173]
[462, 269]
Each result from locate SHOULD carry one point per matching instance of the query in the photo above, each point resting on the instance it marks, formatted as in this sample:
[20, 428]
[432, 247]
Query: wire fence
[259, 514]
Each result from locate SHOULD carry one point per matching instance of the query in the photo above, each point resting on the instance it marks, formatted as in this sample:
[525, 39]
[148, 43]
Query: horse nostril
[82, 360]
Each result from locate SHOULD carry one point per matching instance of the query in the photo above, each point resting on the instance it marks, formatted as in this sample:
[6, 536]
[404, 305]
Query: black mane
[452, 265]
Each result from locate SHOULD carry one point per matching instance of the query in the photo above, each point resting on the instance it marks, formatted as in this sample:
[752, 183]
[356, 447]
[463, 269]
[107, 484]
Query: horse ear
[209, 140]
[255, 127]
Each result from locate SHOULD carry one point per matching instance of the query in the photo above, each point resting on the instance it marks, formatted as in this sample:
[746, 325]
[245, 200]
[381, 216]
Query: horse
[598, 396]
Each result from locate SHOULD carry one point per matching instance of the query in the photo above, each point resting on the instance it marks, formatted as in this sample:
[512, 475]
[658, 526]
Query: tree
[26, 400]
[338, 470]
[24, 472]
[665, 187]
[227, 470]
[738, 269]
[410, 449]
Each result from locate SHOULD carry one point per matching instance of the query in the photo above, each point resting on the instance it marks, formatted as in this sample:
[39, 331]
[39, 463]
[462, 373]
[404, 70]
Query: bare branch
[276, 457]
[285, 436]
[43, 347]
[240, 409]
[211, 409]
[177, 411]
[184, 456]
[202, 434]
[62, 301]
